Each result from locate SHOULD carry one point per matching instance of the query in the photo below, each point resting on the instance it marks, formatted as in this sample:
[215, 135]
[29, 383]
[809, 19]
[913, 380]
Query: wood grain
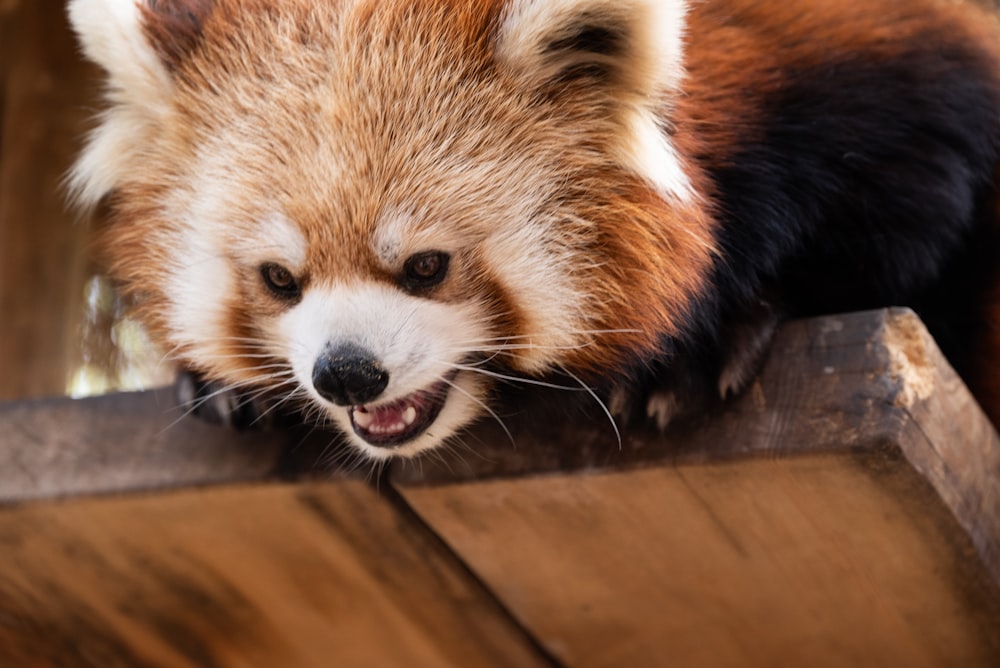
[313, 575]
[844, 511]
[834, 384]
[120, 442]
[816, 560]
[826, 385]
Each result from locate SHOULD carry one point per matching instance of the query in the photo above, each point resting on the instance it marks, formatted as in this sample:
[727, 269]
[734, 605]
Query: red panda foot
[217, 404]
[748, 344]
[691, 384]
[662, 407]
[402, 420]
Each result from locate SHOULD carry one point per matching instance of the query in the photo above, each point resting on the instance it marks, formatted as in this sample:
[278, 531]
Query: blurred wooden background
[46, 95]
[61, 329]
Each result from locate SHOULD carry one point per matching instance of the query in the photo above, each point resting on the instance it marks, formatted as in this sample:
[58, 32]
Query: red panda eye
[279, 281]
[425, 270]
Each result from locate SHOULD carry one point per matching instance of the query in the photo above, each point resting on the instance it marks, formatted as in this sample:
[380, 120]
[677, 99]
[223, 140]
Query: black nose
[349, 375]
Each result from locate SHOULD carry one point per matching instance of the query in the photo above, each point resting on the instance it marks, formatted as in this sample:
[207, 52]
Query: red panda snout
[398, 373]
[347, 375]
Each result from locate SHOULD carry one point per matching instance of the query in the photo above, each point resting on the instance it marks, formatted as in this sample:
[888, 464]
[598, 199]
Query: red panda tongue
[397, 422]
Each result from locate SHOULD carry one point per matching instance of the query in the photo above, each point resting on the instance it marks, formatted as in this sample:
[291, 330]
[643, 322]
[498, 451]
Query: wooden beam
[859, 382]
[813, 560]
[121, 442]
[828, 517]
[270, 575]
[843, 511]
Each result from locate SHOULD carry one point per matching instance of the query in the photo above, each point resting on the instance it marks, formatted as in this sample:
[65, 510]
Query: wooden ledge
[858, 381]
[138, 441]
[844, 511]
[872, 386]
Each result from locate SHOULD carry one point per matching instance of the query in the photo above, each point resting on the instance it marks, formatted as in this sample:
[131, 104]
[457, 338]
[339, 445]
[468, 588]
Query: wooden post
[45, 93]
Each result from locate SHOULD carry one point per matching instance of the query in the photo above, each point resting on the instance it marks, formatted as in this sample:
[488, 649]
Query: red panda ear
[627, 51]
[173, 27]
[139, 42]
[625, 45]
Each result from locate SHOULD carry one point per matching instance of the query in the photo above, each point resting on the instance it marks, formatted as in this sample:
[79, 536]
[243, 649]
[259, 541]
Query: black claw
[209, 401]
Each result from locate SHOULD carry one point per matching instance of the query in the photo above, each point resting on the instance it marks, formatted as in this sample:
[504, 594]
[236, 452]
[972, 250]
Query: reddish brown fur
[635, 226]
[653, 254]
[174, 26]
[417, 94]
[726, 56]
[734, 58]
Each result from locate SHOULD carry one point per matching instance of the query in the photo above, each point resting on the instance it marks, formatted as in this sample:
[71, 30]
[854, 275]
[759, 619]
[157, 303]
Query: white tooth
[398, 427]
[363, 420]
[409, 415]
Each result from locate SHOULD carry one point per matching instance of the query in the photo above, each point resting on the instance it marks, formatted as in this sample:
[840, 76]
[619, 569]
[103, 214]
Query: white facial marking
[200, 281]
[274, 238]
[389, 242]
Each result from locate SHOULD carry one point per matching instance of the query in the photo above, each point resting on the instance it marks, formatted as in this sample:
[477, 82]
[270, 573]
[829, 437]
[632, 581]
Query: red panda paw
[218, 404]
[693, 382]
[747, 344]
[662, 407]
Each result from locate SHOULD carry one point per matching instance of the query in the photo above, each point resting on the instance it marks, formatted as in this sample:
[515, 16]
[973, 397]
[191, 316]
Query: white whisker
[600, 403]
[514, 379]
[486, 408]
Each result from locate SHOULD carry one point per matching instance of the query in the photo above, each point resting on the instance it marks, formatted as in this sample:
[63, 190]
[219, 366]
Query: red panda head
[374, 208]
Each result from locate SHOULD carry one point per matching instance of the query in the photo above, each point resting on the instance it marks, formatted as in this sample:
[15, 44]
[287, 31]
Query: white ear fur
[651, 34]
[638, 44]
[112, 35]
[139, 89]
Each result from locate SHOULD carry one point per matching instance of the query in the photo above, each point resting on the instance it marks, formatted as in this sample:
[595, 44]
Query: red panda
[380, 213]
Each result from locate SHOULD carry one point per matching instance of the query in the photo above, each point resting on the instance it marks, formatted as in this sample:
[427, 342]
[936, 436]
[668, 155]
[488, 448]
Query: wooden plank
[119, 442]
[832, 384]
[943, 434]
[845, 511]
[826, 384]
[47, 96]
[755, 525]
[815, 560]
[312, 575]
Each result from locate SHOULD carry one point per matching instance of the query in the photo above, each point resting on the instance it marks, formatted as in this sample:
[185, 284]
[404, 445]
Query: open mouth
[404, 419]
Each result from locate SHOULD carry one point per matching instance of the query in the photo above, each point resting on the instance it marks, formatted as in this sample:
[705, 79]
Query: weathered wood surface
[119, 442]
[844, 511]
[279, 575]
[836, 384]
[817, 560]
[848, 380]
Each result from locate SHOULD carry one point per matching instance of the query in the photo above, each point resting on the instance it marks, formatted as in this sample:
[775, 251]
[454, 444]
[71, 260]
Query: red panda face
[373, 209]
